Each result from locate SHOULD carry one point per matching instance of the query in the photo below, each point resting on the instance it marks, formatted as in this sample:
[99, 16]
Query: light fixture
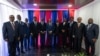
[34, 4]
[70, 5]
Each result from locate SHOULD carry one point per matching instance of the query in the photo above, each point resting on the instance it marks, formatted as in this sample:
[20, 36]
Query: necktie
[13, 26]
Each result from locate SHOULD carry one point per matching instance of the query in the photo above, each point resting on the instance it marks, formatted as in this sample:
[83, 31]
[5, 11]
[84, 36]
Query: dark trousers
[56, 40]
[20, 42]
[12, 48]
[64, 40]
[77, 44]
[49, 39]
[88, 45]
[27, 42]
[35, 40]
[42, 40]
[71, 42]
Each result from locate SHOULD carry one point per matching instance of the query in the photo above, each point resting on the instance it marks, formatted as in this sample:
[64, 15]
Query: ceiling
[51, 4]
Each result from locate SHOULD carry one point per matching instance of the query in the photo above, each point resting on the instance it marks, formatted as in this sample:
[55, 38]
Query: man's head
[64, 20]
[34, 18]
[90, 21]
[19, 17]
[50, 21]
[79, 19]
[26, 20]
[42, 20]
[11, 18]
[71, 18]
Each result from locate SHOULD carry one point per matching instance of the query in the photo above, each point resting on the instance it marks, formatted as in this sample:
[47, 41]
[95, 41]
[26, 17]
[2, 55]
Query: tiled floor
[48, 52]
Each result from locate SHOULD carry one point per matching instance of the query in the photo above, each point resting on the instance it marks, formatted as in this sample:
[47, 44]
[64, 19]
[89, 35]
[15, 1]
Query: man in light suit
[11, 35]
[78, 34]
[21, 25]
[92, 32]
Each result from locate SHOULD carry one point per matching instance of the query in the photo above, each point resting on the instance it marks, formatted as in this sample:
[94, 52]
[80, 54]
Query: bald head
[90, 20]
[79, 19]
[11, 18]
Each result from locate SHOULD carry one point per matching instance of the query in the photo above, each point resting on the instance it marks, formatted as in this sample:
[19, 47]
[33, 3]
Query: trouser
[27, 42]
[64, 40]
[71, 41]
[20, 48]
[77, 44]
[89, 44]
[35, 40]
[49, 39]
[56, 40]
[42, 40]
[12, 48]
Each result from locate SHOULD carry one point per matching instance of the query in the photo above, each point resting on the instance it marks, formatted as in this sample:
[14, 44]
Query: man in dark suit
[27, 35]
[42, 28]
[50, 32]
[70, 32]
[34, 30]
[56, 33]
[92, 32]
[21, 34]
[78, 34]
[64, 32]
[11, 35]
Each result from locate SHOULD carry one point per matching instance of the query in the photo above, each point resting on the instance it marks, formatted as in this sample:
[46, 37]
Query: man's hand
[63, 30]
[73, 36]
[94, 39]
[50, 32]
[31, 33]
[18, 38]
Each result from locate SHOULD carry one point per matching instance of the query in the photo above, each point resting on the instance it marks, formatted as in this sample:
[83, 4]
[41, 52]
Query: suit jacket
[34, 28]
[79, 32]
[92, 32]
[57, 29]
[42, 27]
[21, 28]
[64, 27]
[50, 28]
[70, 28]
[27, 30]
[9, 33]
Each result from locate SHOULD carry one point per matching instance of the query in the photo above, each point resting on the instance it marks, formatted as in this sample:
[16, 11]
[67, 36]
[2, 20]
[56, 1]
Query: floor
[49, 52]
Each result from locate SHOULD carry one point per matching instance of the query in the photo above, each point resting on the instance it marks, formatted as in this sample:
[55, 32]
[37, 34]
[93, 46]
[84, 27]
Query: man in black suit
[34, 30]
[56, 33]
[70, 30]
[11, 35]
[27, 36]
[92, 32]
[64, 33]
[42, 28]
[21, 34]
[50, 32]
[78, 34]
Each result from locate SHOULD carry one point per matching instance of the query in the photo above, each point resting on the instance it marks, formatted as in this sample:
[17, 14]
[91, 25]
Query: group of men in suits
[70, 33]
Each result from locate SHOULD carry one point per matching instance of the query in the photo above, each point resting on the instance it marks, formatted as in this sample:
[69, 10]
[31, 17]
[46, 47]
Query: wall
[91, 10]
[6, 9]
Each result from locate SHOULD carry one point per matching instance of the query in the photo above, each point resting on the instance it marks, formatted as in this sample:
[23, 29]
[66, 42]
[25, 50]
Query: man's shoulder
[6, 22]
